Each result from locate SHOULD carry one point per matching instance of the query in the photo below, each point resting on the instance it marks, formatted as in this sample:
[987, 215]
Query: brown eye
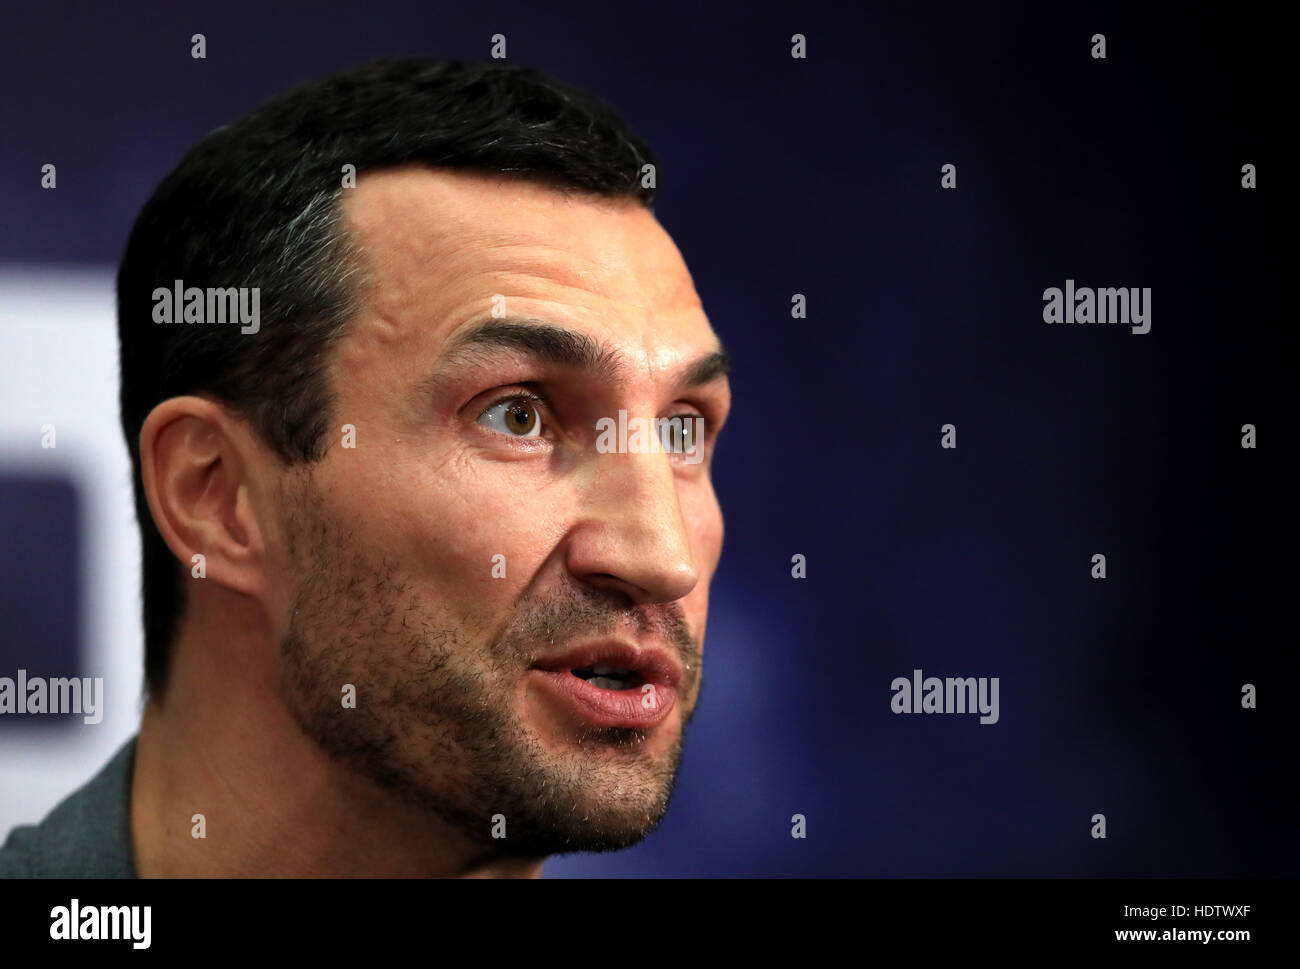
[517, 417]
[521, 418]
[682, 433]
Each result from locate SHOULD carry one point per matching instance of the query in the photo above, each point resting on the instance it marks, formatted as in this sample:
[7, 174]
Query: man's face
[475, 546]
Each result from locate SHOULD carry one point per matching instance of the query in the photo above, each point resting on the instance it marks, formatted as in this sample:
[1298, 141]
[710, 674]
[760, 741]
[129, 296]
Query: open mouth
[612, 684]
[607, 677]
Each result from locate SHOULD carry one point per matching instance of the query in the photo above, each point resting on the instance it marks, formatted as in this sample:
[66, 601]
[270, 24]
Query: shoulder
[87, 835]
[17, 851]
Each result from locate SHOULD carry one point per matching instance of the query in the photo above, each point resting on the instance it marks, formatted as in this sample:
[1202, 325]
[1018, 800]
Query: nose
[631, 536]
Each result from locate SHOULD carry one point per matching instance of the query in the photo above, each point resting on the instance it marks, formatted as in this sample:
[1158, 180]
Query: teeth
[607, 683]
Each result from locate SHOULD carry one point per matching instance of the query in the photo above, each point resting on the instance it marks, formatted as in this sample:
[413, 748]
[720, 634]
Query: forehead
[444, 248]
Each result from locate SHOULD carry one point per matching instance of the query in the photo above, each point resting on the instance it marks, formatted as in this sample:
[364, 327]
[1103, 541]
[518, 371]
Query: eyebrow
[548, 343]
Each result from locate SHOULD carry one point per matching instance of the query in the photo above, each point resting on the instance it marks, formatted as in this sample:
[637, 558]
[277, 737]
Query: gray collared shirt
[88, 835]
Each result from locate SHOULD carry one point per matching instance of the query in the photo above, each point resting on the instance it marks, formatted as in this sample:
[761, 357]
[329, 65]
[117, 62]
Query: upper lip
[651, 664]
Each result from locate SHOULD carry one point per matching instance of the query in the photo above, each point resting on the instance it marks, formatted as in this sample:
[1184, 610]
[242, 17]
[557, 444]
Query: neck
[220, 743]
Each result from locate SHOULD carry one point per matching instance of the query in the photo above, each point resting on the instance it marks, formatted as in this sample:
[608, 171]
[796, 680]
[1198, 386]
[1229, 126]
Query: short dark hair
[257, 203]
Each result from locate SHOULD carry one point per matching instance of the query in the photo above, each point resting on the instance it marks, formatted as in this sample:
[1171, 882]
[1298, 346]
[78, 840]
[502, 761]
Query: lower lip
[609, 708]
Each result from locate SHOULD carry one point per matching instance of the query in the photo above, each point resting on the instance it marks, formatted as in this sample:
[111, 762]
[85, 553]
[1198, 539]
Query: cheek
[703, 518]
[471, 541]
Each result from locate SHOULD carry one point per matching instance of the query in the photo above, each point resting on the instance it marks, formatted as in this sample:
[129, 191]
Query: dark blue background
[821, 176]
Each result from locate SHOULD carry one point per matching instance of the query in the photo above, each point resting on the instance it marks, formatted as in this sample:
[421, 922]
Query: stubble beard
[435, 721]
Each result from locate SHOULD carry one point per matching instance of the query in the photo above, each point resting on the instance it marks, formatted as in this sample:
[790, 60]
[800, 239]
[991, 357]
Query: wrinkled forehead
[446, 249]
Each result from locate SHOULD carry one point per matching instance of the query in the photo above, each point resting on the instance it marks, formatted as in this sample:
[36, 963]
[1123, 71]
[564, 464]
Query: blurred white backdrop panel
[58, 365]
